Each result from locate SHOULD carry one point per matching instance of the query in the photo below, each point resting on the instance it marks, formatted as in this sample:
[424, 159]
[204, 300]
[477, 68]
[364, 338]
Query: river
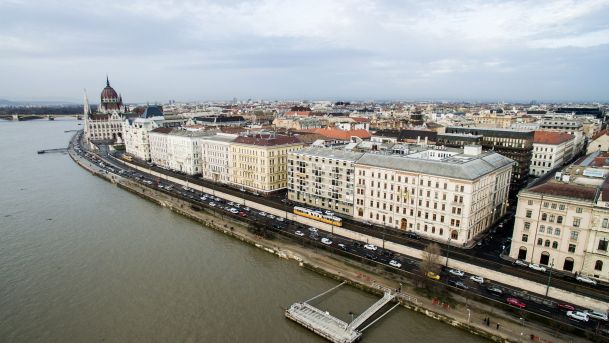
[84, 261]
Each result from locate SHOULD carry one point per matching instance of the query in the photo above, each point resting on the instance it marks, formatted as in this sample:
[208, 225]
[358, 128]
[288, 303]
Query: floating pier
[52, 150]
[331, 328]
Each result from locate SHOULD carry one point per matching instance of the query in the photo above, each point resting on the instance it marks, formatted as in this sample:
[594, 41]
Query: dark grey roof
[153, 111]
[458, 167]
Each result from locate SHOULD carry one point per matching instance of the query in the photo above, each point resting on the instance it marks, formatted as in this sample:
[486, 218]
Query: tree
[430, 259]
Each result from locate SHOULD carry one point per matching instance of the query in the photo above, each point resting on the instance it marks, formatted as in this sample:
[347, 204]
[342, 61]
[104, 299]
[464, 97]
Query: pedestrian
[497, 326]
[488, 321]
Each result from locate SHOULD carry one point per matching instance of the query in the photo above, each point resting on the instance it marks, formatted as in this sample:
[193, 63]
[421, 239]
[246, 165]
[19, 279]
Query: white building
[177, 149]
[448, 195]
[106, 125]
[215, 157]
[550, 150]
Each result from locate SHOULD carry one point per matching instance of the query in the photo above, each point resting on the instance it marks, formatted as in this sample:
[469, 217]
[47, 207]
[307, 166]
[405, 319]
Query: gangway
[52, 150]
[331, 328]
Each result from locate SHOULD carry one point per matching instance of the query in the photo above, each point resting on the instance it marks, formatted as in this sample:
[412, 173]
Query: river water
[84, 261]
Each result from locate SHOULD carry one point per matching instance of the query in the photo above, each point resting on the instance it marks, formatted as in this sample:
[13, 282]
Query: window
[525, 237]
[578, 210]
[557, 232]
[576, 222]
[561, 207]
[572, 248]
[598, 265]
[542, 228]
[549, 230]
[530, 202]
[527, 225]
[555, 245]
[529, 214]
[547, 243]
[544, 216]
[559, 219]
[539, 241]
[602, 245]
[574, 235]
[605, 223]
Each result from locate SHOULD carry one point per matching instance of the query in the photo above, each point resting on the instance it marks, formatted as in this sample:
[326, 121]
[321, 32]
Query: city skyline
[353, 50]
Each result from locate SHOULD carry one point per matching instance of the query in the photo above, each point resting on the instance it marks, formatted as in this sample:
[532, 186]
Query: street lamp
[550, 276]
[448, 251]
[469, 315]
[522, 321]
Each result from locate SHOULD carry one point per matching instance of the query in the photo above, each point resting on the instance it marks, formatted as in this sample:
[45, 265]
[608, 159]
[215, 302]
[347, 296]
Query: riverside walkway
[331, 328]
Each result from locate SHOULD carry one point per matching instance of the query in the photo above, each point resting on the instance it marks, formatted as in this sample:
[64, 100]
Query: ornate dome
[110, 100]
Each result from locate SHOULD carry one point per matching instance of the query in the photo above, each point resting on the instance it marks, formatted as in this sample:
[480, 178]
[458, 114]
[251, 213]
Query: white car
[279, 219]
[262, 214]
[370, 247]
[329, 213]
[395, 263]
[312, 229]
[233, 210]
[537, 267]
[585, 279]
[597, 315]
[326, 241]
[456, 272]
[212, 204]
[231, 203]
[342, 246]
[477, 279]
[246, 209]
[578, 315]
[521, 263]
[271, 216]
[299, 233]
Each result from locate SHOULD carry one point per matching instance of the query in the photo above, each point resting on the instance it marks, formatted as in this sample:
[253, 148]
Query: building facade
[443, 195]
[550, 150]
[563, 222]
[106, 125]
[177, 149]
[323, 178]
[215, 157]
[258, 162]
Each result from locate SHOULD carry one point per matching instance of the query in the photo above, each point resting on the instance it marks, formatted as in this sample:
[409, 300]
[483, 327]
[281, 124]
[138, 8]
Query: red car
[566, 307]
[516, 302]
[243, 214]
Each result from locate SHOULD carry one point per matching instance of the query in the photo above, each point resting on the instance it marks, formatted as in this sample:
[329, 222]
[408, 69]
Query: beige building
[323, 178]
[550, 150]
[564, 222]
[494, 120]
[448, 195]
[259, 162]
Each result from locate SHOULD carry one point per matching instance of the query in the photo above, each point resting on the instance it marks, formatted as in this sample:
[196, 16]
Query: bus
[318, 215]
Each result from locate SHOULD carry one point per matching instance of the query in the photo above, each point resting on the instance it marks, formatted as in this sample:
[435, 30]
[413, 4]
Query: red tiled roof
[551, 137]
[266, 140]
[599, 134]
[360, 120]
[565, 190]
[334, 133]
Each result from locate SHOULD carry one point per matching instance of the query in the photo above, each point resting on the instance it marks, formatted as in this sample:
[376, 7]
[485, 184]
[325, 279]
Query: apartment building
[259, 161]
[448, 195]
[563, 222]
[177, 149]
[323, 178]
[215, 157]
[550, 150]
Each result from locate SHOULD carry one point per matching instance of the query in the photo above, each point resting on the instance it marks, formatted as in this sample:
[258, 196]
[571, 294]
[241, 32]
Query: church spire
[86, 107]
[107, 81]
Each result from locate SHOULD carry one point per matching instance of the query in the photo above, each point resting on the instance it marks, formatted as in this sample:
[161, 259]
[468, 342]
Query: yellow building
[259, 162]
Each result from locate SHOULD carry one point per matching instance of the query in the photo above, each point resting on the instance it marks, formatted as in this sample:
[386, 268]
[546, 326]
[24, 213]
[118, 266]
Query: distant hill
[5, 102]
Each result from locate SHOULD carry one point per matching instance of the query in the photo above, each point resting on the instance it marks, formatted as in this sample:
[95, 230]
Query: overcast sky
[157, 50]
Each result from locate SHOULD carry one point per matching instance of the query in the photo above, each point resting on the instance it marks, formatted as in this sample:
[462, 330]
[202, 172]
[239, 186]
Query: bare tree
[430, 259]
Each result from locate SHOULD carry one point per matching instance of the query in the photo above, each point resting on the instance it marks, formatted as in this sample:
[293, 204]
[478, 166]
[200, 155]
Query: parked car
[243, 214]
[433, 275]
[521, 263]
[458, 284]
[262, 214]
[233, 210]
[412, 235]
[456, 272]
[326, 241]
[516, 302]
[596, 315]
[312, 229]
[395, 263]
[566, 307]
[271, 216]
[342, 246]
[537, 267]
[212, 204]
[494, 290]
[246, 209]
[585, 279]
[578, 315]
[299, 233]
[279, 219]
[477, 279]
[370, 247]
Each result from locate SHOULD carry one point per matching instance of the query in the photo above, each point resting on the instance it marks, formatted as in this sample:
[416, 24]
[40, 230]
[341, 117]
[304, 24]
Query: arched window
[559, 219]
[549, 230]
[454, 234]
[547, 243]
[441, 232]
[605, 223]
[542, 228]
[433, 229]
[544, 216]
[555, 245]
[598, 265]
[539, 241]
[557, 232]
